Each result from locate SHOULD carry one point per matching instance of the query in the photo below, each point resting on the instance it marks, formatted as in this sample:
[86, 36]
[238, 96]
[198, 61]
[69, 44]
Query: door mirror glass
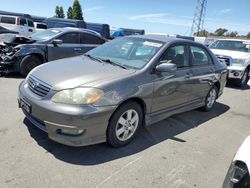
[166, 67]
[56, 42]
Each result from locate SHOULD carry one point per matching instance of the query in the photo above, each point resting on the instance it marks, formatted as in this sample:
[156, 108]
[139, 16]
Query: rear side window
[8, 20]
[199, 56]
[176, 55]
[90, 39]
[30, 23]
[70, 38]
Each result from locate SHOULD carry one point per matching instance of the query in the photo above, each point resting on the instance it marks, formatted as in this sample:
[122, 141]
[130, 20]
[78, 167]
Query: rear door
[9, 22]
[172, 89]
[202, 72]
[88, 42]
[70, 46]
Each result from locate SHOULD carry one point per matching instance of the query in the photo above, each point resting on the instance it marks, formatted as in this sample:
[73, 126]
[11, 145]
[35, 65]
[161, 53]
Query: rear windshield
[8, 20]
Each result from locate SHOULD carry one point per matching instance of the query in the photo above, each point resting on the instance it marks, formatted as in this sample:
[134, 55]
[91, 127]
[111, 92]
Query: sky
[159, 16]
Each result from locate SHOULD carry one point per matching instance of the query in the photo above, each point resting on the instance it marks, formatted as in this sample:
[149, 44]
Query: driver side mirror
[56, 42]
[166, 67]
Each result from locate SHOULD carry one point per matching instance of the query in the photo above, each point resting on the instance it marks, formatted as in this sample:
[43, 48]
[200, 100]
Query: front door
[172, 89]
[70, 47]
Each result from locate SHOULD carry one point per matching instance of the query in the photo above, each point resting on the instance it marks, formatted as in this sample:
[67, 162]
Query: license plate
[24, 105]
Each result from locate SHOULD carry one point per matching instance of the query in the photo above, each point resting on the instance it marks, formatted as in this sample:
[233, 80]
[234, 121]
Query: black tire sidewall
[111, 130]
[28, 63]
[206, 108]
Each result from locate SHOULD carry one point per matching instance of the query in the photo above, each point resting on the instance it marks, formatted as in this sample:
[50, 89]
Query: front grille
[224, 59]
[38, 87]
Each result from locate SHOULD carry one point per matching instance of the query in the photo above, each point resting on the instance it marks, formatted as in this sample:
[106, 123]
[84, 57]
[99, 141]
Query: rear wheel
[124, 124]
[210, 99]
[28, 63]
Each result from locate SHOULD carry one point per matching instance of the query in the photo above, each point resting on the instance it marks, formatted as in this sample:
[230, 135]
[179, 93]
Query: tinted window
[23, 21]
[70, 38]
[199, 56]
[30, 23]
[8, 20]
[41, 26]
[176, 55]
[89, 39]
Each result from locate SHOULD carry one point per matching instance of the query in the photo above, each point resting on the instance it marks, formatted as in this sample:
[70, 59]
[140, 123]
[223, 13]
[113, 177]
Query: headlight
[239, 62]
[78, 96]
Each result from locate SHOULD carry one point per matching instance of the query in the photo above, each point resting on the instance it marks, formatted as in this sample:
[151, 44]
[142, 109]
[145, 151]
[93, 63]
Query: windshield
[230, 45]
[129, 52]
[45, 35]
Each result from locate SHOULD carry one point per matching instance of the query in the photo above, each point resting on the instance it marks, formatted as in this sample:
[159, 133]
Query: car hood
[233, 54]
[77, 71]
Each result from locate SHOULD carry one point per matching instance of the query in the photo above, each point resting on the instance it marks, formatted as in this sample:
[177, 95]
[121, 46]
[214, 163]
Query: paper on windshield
[153, 44]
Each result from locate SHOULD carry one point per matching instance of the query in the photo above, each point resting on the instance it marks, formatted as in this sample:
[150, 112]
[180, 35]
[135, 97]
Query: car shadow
[13, 75]
[169, 128]
[234, 85]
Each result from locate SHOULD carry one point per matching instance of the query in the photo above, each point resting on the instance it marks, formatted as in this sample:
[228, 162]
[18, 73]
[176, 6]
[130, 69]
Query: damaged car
[22, 54]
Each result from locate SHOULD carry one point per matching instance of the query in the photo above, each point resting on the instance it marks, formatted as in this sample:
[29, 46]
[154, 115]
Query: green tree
[248, 35]
[220, 31]
[232, 34]
[202, 33]
[77, 10]
[62, 15]
[70, 13]
[59, 13]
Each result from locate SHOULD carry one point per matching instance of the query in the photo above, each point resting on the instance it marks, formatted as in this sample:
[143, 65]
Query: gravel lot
[192, 149]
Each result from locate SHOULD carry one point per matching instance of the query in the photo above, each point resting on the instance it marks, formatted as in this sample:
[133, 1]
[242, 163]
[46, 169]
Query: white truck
[235, 53]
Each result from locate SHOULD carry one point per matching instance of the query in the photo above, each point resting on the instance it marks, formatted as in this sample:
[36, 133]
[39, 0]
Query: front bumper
[235, 72]
[53, 118]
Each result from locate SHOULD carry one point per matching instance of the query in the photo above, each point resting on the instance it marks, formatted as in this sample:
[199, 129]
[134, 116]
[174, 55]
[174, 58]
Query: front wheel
[28, 63]
[124, 124]
[243, 81]
[210, 99]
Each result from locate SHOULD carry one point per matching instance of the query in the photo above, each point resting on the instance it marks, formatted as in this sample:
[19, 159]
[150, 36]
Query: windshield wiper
[114, 63]
[94, 58]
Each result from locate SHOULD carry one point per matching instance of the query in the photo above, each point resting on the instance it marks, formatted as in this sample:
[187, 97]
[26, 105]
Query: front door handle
[77, 49]
[188, 75]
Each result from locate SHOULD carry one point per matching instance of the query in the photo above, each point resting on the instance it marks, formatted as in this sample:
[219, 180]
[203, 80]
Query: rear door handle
[30, 30]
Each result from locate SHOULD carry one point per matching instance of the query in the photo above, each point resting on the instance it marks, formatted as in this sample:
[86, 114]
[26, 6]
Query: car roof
[66, 29]
[242, 40]
[162, 38]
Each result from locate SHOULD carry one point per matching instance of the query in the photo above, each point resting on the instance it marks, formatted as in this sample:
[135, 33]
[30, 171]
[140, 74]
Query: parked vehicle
[111, 91]
[126, 32]
[21, 54]
[235, 54]
[4, 30]
[102, 29]
[22, 25]
[238, 175]
[60, 23]
[40, 26]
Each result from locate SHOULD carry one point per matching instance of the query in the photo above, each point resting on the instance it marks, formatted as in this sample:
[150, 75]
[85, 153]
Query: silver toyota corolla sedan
[113, 90]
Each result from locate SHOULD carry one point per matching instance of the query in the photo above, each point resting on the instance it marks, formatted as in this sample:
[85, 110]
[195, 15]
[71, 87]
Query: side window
[89, 39]
[70, 38]
[8, 20]
[176, 55]
[199, 56]
[23, 21]
[30, 23]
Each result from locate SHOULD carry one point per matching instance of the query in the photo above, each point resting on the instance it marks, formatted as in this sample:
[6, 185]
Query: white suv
[21, 25]
[235, 54]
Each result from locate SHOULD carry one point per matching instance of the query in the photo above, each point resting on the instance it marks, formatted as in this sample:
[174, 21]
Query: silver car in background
[111, 91]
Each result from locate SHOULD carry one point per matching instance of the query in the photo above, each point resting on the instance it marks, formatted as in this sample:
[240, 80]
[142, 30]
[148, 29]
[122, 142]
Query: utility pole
[199, 16]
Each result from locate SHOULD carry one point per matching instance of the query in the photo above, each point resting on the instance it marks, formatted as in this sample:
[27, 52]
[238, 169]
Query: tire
[121, 130]
[28, 63]
[210, 99]
[243, 81]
